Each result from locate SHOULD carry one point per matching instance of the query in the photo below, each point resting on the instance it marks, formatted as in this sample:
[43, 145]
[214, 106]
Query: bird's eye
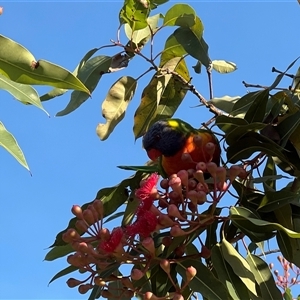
[157, 137]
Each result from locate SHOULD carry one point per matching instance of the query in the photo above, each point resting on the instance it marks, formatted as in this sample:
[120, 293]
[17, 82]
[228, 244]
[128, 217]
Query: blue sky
[69, 164]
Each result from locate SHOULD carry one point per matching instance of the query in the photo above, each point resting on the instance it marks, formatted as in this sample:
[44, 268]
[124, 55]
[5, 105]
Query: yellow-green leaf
[90, 74]
[142, 34]
[223, 66]
[26, 94]
[19, 65]
[115, 105]
[180, 15]
[8, 142]
[151, 98]
[239, 265]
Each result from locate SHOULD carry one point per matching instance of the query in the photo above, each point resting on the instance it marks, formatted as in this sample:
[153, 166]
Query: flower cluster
[172, 209]
[283, 281]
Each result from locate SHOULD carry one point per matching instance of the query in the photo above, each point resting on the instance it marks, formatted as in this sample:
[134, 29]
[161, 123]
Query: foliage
[177, 234]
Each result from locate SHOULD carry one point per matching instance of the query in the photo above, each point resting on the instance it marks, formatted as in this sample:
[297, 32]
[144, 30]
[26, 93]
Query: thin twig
[260, 86]
[150, 69]
[209, 74]
[285, 74]
[192, 88]
[269, 252]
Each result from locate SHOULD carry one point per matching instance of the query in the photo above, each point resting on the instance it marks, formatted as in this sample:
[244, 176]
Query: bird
[179, 146]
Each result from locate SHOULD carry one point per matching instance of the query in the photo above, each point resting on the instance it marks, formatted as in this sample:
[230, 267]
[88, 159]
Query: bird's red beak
[154, 154]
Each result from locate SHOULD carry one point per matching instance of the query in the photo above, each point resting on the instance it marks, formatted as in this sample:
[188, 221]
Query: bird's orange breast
[175, 163]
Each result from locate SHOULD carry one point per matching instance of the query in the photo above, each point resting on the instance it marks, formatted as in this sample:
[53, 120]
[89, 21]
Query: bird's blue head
[163, 139]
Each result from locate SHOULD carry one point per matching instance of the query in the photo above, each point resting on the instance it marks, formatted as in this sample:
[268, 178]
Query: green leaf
[134, 13]
[237, 133]
[270, 170]
[204, 282]
[276, 199]
[52, 94]
[193, 43]
[19, 65]
[115, 105]
[240, 215]
[130, 210]
[22, 92]
[288, 295]
[142, 34]
[63, 272]
[236, 288]
[96, 292]
[225, 103]
[296, 82]
[58, 92]
[58, 251]
[90, 74]
[115, 287]
[289, 126]
[160, 281]
[145, 169]
[257, 110]
[227, 124]
[197, 67]
[112, 198]
[223, 66]
[114, 216]
[239, 265]
[180, 15]
[157, 92]
[241, 107]
[255, 143]
[281, 75]
[263, 277]
[9, 143]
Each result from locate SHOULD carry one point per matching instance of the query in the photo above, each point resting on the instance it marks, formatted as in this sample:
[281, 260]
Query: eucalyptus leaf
[115, 104]
[9, 143]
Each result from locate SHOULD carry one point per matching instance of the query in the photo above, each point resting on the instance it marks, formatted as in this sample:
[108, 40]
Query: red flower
[147, 192]
[144, 225]
[113, 242]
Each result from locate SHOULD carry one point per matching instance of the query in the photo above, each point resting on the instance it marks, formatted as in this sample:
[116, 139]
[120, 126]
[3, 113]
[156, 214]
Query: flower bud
[201, 166]
[167, 241]
[198, 141]
[165, 220]
[148, 244]
[77, 211]
[176, 231]
[212, 169]
[164, 184]
[72, 282]
[174, 212]
[81, 226]
[165, 265]
[98, 205]
[150, 296]
[184, 176]
[136, 274]
[186, 157]
[192, 184]
[210, 148]
[234, 171]
[84, 288]
[177, 297]
[89, 216]
[190, 273]
[175, 184]
[199, 175]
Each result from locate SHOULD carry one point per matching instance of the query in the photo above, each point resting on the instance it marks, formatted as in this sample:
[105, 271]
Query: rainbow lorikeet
[172, 139]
